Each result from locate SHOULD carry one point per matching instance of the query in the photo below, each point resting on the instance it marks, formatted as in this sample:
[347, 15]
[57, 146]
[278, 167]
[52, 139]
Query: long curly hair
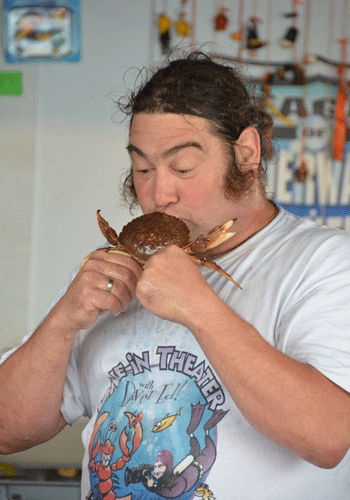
[197, 85]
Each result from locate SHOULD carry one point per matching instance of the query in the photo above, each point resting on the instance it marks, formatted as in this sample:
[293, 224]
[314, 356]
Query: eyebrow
[169, 152]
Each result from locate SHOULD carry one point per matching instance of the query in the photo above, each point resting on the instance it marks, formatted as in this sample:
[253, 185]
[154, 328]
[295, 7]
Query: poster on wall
[44, 31]
[305, 178]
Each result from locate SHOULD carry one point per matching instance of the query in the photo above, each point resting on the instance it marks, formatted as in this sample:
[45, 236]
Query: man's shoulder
[304, 228]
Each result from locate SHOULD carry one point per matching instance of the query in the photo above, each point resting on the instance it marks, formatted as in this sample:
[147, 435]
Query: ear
[248, 149]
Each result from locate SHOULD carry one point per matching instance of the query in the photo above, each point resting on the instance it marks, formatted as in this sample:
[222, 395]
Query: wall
[17, 125]
[62, 155]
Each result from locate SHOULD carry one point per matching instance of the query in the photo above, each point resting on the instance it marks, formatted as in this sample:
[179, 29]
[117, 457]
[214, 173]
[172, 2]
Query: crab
[144, 236]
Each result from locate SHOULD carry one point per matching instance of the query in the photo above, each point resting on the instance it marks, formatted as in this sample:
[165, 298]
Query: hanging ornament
[164, 25]
[236, 36]
[252, 39]
[291, 34]
[291, 73]
[289, 38]
[340, 125]
[340, 128]
[290, 15]
[221, 19]
[182, 27]
[301, 172]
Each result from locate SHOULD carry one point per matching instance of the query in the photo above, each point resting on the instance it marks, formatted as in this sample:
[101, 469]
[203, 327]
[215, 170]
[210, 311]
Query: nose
[164, 190]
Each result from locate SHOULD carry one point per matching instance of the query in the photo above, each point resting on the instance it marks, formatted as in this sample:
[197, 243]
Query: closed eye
[142, 171]
[183, 172]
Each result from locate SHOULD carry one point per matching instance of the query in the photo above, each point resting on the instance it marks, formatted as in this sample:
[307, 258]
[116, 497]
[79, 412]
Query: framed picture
[41, 31]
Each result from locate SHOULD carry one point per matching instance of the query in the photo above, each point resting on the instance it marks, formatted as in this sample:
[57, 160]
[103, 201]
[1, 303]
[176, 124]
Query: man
[259, 377]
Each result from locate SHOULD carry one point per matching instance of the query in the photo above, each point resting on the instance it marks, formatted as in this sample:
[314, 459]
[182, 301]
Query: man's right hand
[87, 296]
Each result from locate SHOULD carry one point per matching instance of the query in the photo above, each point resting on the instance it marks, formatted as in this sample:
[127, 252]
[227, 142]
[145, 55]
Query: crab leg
[212, 265]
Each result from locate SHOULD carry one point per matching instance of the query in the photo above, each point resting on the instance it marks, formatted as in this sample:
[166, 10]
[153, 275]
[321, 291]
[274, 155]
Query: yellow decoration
[182, 27]
[164, 23]
[236, 36]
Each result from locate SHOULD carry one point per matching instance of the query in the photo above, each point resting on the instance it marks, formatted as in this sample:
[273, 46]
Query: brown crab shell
[147, 234]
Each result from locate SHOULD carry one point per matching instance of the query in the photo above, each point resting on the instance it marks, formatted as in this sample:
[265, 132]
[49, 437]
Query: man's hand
[171, 284]
[88, 296]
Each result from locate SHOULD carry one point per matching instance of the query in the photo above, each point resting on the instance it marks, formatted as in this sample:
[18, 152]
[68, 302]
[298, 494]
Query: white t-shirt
[162, 425]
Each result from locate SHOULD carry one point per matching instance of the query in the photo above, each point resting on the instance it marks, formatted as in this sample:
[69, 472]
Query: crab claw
[107, 231]
[214, 238]
[219, 234]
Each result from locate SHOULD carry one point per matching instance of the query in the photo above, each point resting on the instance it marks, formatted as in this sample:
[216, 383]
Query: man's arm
[33, 377]
[291, 403]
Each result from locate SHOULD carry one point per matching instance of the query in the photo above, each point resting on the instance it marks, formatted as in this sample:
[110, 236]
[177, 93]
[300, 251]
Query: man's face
[179, 168]
[158, 469]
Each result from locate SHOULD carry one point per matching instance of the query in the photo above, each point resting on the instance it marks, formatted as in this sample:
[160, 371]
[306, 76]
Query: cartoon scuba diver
[170, 482]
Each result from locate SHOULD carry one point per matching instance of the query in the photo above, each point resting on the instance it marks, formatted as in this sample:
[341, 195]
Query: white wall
[61, 154]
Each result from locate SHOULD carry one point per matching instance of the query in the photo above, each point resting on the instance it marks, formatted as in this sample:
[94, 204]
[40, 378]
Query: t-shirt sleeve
[315, 328]
[73, 406]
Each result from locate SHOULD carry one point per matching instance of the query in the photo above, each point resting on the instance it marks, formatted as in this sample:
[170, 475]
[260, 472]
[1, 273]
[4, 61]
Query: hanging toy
[290, 15]
[301, 173]
[221, 19]
[164, 25]
[289, 39]
[252, 39]
[340, 125]
[291, 73]
[182, 27]
[236, 36]
[340, 128]
[291, 35]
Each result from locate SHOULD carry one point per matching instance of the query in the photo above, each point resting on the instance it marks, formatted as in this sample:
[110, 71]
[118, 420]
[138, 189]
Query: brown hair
[197, 85]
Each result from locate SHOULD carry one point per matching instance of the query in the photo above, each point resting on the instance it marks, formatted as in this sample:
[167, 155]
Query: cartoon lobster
[103, 468]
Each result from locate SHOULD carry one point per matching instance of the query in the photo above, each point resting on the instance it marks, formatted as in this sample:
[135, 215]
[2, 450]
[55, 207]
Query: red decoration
[221, 20]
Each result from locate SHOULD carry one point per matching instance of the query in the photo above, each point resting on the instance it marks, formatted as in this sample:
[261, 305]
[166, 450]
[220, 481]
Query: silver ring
[110, 284]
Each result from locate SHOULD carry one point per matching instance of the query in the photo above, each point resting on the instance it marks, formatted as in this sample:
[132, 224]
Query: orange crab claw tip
[219, 238]
[228, 224]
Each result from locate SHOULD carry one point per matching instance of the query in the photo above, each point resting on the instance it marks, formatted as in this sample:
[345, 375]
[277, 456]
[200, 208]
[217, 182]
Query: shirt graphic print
[155, 432]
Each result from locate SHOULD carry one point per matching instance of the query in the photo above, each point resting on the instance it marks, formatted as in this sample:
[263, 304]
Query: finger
[121, 269]
[124, 278]
[103, 255]
[123, 259]
[97, 294]
[120, 296]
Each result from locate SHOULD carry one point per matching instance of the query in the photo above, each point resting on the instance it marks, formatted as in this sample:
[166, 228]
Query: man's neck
[258, 216]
